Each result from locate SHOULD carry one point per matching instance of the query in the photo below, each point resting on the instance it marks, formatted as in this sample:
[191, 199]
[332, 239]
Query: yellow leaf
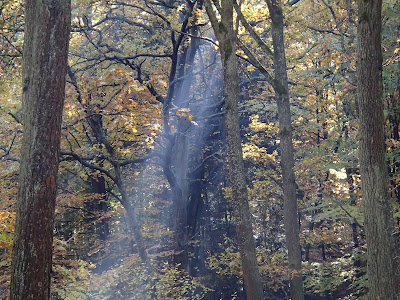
[250, 68]
[325, 61]
[4, 215]
[122, 73]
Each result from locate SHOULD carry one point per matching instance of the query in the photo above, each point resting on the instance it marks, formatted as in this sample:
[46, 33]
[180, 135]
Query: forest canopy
[148, 203]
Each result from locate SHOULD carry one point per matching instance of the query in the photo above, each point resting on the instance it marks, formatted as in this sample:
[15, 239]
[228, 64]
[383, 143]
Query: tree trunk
[47, 27]
[132, 221]
[374, 181]
[237, 175]
[287, 160]
[99, 206]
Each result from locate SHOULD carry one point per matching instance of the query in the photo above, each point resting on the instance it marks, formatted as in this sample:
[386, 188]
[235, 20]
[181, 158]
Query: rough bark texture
[287, 160]
[44, 71]
[374, 181]
[237, 175]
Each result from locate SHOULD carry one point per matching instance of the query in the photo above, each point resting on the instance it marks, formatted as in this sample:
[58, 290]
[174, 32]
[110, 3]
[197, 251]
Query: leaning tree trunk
[287, 160]
[47, 26]
[377, 202]
[237, 174]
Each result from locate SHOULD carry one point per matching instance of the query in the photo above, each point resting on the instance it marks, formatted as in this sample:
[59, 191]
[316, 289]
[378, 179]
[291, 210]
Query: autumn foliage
[143, 150]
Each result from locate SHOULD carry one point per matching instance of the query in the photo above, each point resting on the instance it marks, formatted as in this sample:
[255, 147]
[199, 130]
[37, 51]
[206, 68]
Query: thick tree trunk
[374, 181]
[47, 26]
[237, 174]
[287, 160]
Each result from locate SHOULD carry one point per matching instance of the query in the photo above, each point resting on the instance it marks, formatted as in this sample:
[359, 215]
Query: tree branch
[83, 162]
[277, 86]
[251, 31]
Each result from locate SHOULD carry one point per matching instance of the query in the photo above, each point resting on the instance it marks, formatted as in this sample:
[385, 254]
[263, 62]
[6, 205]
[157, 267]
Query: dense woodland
[153, 202]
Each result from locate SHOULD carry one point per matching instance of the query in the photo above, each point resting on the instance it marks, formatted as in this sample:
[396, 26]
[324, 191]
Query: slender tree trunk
[47, 26]
[132, 221]
[287, 159]
[377, 202]
[237, 174]
[99, 205]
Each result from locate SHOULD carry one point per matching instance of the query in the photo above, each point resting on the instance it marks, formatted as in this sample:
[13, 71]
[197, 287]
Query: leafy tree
[145, 93]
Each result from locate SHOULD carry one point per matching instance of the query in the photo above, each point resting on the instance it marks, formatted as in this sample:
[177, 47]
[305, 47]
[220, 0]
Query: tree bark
[47, 27]
[377, 202]
[287, 159]
[237, 176]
